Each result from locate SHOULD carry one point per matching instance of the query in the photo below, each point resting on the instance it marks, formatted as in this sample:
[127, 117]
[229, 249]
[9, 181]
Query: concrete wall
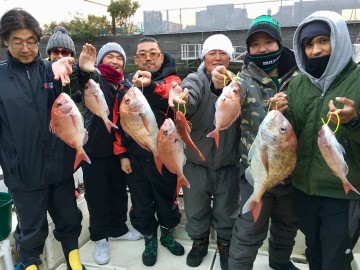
[171, 43]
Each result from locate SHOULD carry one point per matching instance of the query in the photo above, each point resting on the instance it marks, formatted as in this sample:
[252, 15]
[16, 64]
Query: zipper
[314, 142]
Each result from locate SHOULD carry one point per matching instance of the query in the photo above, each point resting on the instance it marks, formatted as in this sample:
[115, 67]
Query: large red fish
[67, 123]
[228, 109]
[272, 158]
[171, 152]
[138, 120]
[184, 129]
[333, 154]
[96, 103]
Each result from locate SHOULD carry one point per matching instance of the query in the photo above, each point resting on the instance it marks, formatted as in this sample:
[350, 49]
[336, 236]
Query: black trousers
[276, 216]
[331, 229]
[152, 193]
[106, 197]
[32, 229]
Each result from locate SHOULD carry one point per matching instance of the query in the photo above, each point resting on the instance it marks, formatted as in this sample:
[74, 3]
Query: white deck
[127, 254]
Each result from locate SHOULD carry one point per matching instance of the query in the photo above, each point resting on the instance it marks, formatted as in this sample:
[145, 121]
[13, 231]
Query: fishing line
[70, 90]
[276, 104]
[328, 121]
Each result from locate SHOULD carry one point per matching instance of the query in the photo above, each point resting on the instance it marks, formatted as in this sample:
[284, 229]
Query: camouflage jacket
[257, 88]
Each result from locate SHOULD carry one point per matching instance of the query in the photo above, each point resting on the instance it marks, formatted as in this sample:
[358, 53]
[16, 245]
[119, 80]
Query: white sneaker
[130, 236]
[102, 251]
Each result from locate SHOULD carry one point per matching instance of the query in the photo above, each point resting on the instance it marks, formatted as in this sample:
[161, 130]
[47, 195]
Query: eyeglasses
[63, 52]
[28, 44]
[151, 55]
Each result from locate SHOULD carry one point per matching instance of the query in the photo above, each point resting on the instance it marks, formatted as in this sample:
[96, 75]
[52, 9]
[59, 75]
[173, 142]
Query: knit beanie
[217, 42]
[60, 39]
[265, 24]
[110, 47]
[313, 29]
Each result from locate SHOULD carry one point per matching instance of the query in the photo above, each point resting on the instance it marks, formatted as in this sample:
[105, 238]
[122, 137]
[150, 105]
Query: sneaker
[198, 252]
[102, 252]
[130, 236]
[286, 266]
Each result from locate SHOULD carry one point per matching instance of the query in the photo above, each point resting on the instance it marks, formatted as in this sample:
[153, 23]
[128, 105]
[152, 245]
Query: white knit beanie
[110, 47]
[217, 42]
[60, 39]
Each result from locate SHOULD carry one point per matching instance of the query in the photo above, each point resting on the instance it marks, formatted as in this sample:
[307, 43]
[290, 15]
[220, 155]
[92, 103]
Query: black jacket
[157, 97]
[31, 156]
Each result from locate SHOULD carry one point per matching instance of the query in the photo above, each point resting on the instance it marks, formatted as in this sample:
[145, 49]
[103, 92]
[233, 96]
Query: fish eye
[166, 132]
[282, 129]
[127, 100]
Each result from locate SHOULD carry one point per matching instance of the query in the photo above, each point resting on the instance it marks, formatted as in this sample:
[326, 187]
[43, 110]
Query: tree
[84, 28]
[121, 12]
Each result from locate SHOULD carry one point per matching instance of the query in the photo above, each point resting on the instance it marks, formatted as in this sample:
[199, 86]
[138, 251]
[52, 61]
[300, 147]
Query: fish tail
[214, 134]
[181, 181]
[109, 125]
[80, 156]
[347, 186]
[158, 164]
[200, 155]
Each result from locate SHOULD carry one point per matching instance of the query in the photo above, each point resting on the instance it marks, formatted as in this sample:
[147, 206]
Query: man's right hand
[220, 77]
[177, 95]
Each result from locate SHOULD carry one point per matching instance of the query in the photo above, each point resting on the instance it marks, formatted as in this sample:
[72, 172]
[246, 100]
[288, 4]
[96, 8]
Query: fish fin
[109, 125]
[181, 181]
[256, 209]
[214, 134]
[146, 122]
[80, 156]
[248, 205]
[158, 164]
[248, 176]
[86, 137]
[265, 158]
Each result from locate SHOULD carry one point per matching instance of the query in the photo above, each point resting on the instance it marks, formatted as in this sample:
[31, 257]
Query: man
[268, 67]
[328, 87]
[152, 193]
[60, 44]
[213, 196]
[104, 182]
[37, 166]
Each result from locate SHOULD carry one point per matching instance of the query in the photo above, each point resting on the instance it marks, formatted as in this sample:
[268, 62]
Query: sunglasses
[151, 55]
[63, 52]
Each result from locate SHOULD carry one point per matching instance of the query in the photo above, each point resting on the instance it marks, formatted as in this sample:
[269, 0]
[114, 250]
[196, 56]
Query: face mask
[317, 66]
[266, 61]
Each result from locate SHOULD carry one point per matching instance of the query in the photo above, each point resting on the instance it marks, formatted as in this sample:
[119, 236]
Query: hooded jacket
[257, 88]
[31, 156]
[308, 99]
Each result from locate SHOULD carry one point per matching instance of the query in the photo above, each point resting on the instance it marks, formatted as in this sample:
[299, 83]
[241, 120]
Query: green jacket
[307, 105]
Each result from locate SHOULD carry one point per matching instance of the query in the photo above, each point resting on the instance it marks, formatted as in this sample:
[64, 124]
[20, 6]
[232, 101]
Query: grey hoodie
[341, 47]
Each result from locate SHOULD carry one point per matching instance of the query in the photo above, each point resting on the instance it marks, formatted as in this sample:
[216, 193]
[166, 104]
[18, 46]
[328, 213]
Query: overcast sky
[63, 10]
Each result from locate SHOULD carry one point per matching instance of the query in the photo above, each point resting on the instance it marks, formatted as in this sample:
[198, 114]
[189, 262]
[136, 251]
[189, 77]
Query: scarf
[267, 61]
[110, 73]
[316, 66]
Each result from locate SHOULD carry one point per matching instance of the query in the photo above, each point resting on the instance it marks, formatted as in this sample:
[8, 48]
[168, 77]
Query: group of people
[317, 79]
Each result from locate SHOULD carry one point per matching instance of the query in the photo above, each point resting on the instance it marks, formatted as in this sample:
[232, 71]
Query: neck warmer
[110, 73]
[267, 61]
[317, 66]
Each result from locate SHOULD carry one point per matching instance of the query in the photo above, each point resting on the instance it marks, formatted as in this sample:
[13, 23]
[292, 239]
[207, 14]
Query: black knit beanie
[266, 24]
[60, 39]
[314, 29]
